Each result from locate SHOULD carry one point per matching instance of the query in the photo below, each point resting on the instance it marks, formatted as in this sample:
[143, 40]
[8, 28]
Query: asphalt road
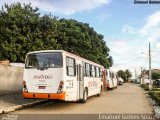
[126, 99]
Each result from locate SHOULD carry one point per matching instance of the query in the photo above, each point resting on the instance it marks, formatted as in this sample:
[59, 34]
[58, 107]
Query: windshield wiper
[42, 68]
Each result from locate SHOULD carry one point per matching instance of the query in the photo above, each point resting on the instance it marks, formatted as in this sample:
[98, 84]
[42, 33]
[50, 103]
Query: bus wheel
[99, 94]
[85, 96]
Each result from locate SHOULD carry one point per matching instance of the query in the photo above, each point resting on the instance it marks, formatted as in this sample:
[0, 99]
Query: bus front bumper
[60, 96]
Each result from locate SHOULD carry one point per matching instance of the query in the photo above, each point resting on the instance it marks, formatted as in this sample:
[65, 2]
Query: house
[145, 75]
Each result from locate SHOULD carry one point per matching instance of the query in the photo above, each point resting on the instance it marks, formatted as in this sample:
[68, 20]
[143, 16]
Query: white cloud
[123, 50]
[119, 48]
[158, 45]
[151, 29]
[127, 29]
[126, 53]
[66, 7]
[152, 22]
[149, 32]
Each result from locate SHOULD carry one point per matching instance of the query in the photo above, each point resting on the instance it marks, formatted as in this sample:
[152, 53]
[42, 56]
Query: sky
[127, 27]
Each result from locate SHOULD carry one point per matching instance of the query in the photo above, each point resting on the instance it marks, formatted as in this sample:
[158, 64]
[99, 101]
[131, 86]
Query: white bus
[57, 74]
[111, 78]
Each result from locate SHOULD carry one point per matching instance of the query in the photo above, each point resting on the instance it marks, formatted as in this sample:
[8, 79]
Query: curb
[9, 93]
[156, 108]
[157, 112]
[18, 107]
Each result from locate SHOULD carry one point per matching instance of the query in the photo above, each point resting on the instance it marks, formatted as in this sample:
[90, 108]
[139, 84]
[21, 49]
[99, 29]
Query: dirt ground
[126, 99]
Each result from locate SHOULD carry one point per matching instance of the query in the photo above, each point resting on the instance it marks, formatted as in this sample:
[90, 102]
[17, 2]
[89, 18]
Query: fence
[11, 78]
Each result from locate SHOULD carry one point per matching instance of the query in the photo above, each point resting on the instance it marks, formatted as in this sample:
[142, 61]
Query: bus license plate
[42, 87]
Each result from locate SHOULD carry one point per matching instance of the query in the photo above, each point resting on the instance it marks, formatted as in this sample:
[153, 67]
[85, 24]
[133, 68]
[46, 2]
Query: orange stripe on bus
[60, 96]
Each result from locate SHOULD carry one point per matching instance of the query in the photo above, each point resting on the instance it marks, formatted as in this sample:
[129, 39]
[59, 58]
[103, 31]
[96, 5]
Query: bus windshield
[44, 60]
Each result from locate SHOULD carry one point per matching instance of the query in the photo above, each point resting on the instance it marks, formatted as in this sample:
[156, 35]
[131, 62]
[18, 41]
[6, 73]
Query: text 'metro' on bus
[57, 74]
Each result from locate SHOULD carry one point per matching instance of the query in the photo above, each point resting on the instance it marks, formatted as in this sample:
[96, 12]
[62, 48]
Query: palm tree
[128, 74]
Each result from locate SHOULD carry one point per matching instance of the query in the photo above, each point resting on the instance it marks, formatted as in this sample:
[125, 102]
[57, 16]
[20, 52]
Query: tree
[81, 39]
[155, 75]
[128, 74]
[125, 75]
[18, 33]
[122, 74]
[23, 29]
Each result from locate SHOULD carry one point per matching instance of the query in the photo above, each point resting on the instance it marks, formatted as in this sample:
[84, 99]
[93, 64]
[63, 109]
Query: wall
[11, 78]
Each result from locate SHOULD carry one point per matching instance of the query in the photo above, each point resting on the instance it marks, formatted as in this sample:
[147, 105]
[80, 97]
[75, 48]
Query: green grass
[154, 93]
[146, 88]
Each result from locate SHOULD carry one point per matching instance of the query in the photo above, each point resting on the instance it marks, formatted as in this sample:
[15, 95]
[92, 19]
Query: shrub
[155, 96]
[146, 87]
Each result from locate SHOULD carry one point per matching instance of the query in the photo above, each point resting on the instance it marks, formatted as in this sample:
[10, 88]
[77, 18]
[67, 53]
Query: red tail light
[25, 87]
[61, 84]
[24, 84]
[60, 87]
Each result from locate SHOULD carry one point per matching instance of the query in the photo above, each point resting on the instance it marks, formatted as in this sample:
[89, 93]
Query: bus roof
[66, 53]
[46, 51]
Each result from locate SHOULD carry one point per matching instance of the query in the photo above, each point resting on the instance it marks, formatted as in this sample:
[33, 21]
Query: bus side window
[87, 70]
[70, 66]
[100, 72]
[90, 70]
[97, 72]
[110, 74]
[93, 71]
[83, 68]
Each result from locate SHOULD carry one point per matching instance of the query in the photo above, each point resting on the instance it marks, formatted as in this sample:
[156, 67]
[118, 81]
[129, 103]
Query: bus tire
[85, 96]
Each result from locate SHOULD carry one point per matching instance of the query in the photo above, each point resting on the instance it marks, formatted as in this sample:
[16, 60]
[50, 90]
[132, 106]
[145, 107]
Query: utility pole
[141, 76]
[150, 70]
[135, 75]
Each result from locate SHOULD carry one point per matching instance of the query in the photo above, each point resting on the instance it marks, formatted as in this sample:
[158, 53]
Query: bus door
[80, 81]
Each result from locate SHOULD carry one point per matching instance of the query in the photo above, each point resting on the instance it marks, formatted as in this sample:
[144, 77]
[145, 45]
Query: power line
[127, 58]
[146, 62]
[156, 51]
[153, 51]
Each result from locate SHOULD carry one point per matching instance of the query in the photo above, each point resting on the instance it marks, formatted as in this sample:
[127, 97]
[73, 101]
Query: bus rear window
[44, 60]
